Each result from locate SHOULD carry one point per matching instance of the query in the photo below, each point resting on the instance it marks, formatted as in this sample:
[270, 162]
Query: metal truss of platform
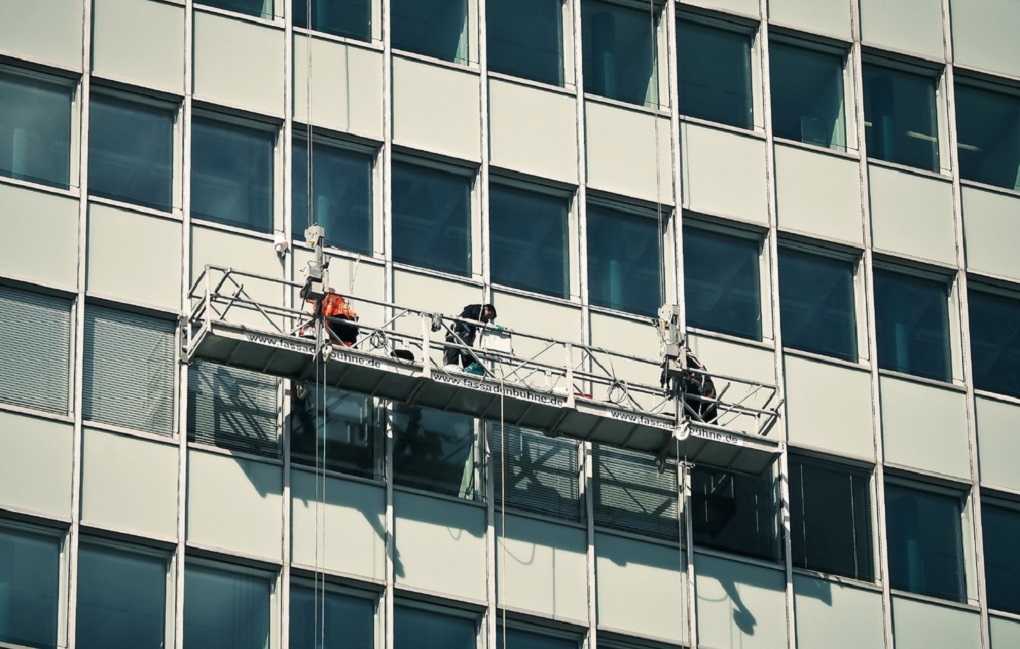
[556, 387]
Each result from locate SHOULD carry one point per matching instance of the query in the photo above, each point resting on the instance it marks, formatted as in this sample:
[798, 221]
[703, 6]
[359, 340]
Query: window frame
[1007, 292]
[299, 579]
[478, 487]
[535, 627]
[383, 419]
[660, 76]
[274, 13]
[46, 528]
[992, 85]
[445, 608]
[471, 47]
[238, 566]
[374, 27]
[568, 80]
[1002, 502]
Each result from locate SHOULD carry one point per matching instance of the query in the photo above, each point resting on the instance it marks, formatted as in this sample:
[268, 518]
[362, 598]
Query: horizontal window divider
[34, 285]
[970, 605]
[635, 317]
[888, 56]
[997, 396]
[339, 254]
[846, 154]
[768, 345]
[921, 380]
[921, 479]
[367, 585]
[235, 115]
[336, 475]
[538, 620]
[242, 455]
[473, 280]
[517, 512]
[733, 18]
[167, 440]
[572, 301]
[875, 586]
[661, 111]
[464, 606]
[36, 414]
[471, 67]
[862, 366]
[568, 90]
[371, 46]
[809, 452]
[276, 22]
[327, 136]
[161, 312]
[931, 269]
[413, 491]
[625, 637]
[788, 34]
[1005, 615]
[146, 540]
[809, 242]
[636, 536]
[233, 229]
[175, 215]
[994, 189]
[778, 566]
[725, 224]
[54, 523]
[523, 179]
[72, 192]
[149, 97]
[225, 558]
[945, 175]
[757, 133]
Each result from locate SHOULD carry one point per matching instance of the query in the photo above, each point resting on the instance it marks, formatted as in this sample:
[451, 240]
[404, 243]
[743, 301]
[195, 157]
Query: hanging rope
[660, 230]
[502, 500]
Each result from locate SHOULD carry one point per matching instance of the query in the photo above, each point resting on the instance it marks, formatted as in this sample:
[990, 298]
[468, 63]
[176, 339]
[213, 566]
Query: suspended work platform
[556, 387]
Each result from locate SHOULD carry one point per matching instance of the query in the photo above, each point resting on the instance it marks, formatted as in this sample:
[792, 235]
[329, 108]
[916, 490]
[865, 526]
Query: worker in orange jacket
[338, 318]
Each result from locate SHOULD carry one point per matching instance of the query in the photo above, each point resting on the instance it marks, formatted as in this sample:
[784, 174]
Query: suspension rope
[502, 499]
[660, 230]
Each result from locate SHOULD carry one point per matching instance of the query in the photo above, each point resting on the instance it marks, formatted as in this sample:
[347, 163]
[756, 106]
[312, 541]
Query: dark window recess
[352, 426]
[434, 451]
[995, 342]
[1001, 527]
[721, 283]
[734, 512]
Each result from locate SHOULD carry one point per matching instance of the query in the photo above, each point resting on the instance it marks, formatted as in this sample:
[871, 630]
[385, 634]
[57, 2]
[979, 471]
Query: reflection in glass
[431, 218]
[35, 129]
[988, 136]
[1001, 527]
[528, 235]
[345, 622]
[995, 342]
[525, 38]
[735, 513]
[912, 322]
[348, 18]
[807, 96]
[535, 472]
[925, 542]
[343, 195]
[418, 628]
[900, 119]
[816, 302]
[232, 174]
[623, 260]
[521, 639]
[632, 495]
[260, 8]
[351, 423]
[233, 408]
[714, 70]
[722, 284]
[29, 587]
[434, 451]
[121, 599]
[225, 608]
[619, 60]
[437, 28]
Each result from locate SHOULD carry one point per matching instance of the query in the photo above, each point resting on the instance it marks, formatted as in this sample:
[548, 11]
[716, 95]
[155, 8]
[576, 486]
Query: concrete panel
[723, 173]
[984, 34]
[235, 504]
[346, 86]
[912, 214]
[48, 31]
[831, 615]
[239, 64]
[350, 518]
[819, 194]
[830, 17]
[925, 426]
[746, 7]
[1005, 632]
[998, 425]
[35, 466]
[739, 605]
[433, 295]
[990, 233]
[436, 108]
[914, 27]
[542, 567]
[129, 484]
[640, 588]
[624, 335]
[440, 545]
[735, 359]
[140, 42]
[922, 625]
[537, 317]
[133, 257]
[50, 259]
[621, 152]
[533, 130]
[828, 407]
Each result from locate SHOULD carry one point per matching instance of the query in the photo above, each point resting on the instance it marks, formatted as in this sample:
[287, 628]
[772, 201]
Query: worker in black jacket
[465, 332]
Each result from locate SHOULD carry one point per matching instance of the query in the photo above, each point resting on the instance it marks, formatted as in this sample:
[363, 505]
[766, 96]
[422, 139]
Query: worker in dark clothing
[465, 332]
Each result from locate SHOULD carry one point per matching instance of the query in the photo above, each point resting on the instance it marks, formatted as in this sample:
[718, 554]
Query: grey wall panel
[541, 568]
[140, 42]
[621, 152]
[998, 432]
[925, 426]
[990, 233]
[50, 259]
[533, 130]
[48, 31]
[914, 27]
[1005, 632]
[235, 504]
[239, 64]
[819, 194]
[912, 214]
[445, 122]
[431, 294]
[922, 625]
[831, 615]
[829, 407]
[350, 519]
[439, 545]
[346, 87]
[640, 588]
[133, 258]
[984, 34]
[747, 7]
[129, 484]
[739, 605]
[723, 173]
[830, 17]
[520, 313]
[35, 464]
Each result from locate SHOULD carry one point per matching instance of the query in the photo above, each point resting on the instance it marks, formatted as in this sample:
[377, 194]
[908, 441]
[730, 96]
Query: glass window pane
[714, 70]
[417, 628]
[232, 174]
[121, 599]
[925, 543]
[262, 8]
[995, 342]
[35, 350]
[431, 218]
[343, 195]
[131, 151]
[632, 495]
[1001, 527]
[807, 96]
[434, 451]
[352, 426]
[233, 408]
[436, 28]
[619, 62]
[722, 285]
[225, 608]
[816, 302]
[623, 260]
[900, 119]
[734, 512]
[521, 639]
[912, 323]
[525, 38]
[830, 509]
[29, 587]
[348, 18]
[346, 621]
[35, 129]
[528, 240]
[988, 136]
[535, 472]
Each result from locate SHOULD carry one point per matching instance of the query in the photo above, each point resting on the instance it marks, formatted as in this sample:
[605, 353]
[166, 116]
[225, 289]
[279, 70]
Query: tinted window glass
[525, 38]
[535, 472]
[225, 609]
[984, 120]
[632, 495]
[521, 639]
[351, 425]
[350, 18]
[416, 628]
[342, 187]
[528, 236]
[807, 96]
[714, 70]
[1002, 563]
[912, 322]
[233, 408]
[995, 342]
[734, 512]
[431, 218]
[900, 120]
[816, 302]
[623, 260]
[29, 584]
[344, 621]
[434, 450]
[436, 28]
[619, 62]
[925, 543]
[722, 284]
[35, 129]
[121, 599]
[262, 8]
